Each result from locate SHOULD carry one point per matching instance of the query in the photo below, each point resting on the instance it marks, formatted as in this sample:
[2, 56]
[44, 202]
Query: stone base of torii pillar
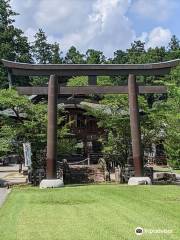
[139, 181]
[51, 183]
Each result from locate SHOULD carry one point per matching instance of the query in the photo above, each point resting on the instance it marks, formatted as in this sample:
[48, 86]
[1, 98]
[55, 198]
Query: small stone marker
[139, 181]
[51, 183]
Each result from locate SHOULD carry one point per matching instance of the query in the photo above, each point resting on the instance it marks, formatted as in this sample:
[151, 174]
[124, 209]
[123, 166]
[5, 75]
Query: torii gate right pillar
[135, 125]
[52, 127]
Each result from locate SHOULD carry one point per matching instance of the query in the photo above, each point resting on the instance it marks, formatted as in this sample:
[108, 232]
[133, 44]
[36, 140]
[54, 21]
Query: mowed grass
[96, 212]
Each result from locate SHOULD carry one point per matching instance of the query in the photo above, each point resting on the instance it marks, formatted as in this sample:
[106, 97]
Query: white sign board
[27, 154]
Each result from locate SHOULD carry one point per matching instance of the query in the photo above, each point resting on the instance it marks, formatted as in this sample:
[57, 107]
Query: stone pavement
[15, 178]
[9, 175]
[3, 194]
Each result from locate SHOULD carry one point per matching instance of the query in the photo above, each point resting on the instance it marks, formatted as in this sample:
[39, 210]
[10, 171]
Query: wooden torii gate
[57, 72]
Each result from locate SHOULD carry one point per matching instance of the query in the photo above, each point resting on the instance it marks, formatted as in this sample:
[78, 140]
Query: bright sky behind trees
[105, 25]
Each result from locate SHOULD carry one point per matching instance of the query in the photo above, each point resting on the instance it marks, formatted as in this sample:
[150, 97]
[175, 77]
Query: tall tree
[136, 54]
[41, 49]
[120, 57]
[174, 43]
[94, 56]
[73, 56]
[173, 48]
[56, 53]
[13, 44]
[157, 54]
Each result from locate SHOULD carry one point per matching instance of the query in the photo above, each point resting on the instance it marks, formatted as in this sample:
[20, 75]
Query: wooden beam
[87, 90]
[32, 90]
[25, 69]
[97, 72]
[92, 80]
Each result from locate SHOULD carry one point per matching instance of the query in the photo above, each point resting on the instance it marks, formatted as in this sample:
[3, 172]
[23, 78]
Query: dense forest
[161, 121]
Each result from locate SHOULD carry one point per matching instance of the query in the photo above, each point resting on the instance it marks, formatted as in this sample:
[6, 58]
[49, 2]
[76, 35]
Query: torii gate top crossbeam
[25, 69]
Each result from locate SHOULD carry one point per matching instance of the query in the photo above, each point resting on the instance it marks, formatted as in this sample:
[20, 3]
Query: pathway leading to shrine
[3, 194]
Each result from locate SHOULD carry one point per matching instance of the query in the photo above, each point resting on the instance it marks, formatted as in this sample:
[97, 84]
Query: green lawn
[176, 171]
[94, 212]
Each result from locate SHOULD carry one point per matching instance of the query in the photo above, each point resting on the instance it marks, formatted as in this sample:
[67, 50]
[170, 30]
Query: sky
[105, 25]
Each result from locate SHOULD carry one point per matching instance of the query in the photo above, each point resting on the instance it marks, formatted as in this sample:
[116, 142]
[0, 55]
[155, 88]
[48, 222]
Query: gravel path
[9, 175]
[3, 194]
[178, 176]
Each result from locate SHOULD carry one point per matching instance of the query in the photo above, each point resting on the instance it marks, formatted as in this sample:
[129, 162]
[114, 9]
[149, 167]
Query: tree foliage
[73, 56]
[24, 121]
[13, 44]
[94, 57]
[41, 48]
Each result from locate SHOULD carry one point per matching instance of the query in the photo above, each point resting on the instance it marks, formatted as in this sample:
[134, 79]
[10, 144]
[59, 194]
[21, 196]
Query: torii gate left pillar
[52, 127]
[135, 125]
